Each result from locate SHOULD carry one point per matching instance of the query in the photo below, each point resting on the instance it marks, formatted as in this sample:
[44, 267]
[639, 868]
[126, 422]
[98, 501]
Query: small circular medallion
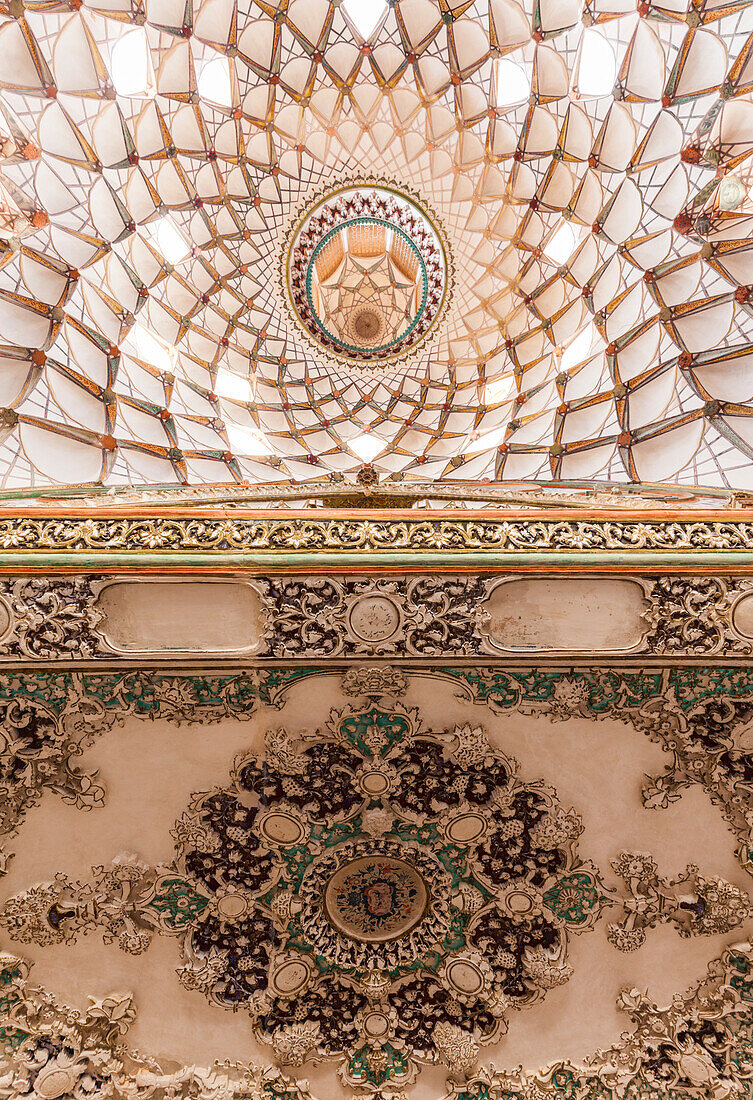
[280, 829]
[519, 902]
[375, 899]
[376, 1025]
[466, 828]
[233, 907]
[367, 325]
[289, 975]
[374, 783]
[374, 618]
[55, 1082]
[465, 976]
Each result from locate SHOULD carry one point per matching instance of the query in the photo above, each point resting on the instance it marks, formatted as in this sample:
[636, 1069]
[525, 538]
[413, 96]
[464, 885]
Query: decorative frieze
[405, 533]
[342, 617]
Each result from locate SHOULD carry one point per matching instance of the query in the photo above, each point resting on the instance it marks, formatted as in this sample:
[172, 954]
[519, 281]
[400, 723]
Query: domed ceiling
[252, 242]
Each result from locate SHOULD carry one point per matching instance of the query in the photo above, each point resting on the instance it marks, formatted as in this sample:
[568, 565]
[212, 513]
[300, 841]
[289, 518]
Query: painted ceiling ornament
[700, 1047]
[352, 890]
[696, 905]
[382, 859]
[366, 271]
[53, 1051]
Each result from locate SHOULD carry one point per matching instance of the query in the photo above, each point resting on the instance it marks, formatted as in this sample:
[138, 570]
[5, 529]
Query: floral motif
[375, 870]
[694, 904]
[700, 1046]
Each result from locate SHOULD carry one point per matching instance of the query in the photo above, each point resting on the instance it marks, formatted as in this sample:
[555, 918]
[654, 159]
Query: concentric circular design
[366, 273]
[375, 902]
[376, 899]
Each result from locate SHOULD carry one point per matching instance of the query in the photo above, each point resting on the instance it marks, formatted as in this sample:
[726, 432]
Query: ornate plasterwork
[49, 618]
[694, 904]
[698, 1048]
[370, 200]
[340, 616]
[695, 615]
[129, 902]
[698, 715]
[51, 1050]
[48, 720]
[377, 892]
[332, 617]
[351, 891]
[448, 535]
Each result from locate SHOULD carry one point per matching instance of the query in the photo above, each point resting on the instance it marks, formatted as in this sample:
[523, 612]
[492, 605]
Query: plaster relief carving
[179, 616]
[697, 1047]
[699, 615]
[345, 617]
[372, 880]
[564, 615]
[332, 617]
[742, 615]
[52, 1051]
[377, 892]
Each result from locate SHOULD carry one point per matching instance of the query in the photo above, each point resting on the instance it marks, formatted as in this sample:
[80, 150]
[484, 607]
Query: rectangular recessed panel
[166, 616]
[565, 615]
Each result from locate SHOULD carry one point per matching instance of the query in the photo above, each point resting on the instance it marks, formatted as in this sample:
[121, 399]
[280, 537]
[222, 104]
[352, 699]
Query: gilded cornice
[494, 538]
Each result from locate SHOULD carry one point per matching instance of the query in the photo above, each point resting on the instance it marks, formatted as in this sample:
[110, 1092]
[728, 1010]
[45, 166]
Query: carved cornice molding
[441, 533]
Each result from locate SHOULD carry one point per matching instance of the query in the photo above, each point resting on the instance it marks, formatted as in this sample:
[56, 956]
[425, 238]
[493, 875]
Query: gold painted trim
[361, 534]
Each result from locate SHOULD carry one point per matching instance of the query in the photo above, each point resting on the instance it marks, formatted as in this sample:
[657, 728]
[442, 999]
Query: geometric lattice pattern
[590, 162]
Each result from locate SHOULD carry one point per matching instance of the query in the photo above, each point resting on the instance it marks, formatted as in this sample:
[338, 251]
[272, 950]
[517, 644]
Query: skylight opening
[248, 441]
[512, 83]
[150, 349]
[233, 386]
[215, 84]
[596, 69]
[365, 15]
[366, 447]
[169, 240]
[131, 65]
[559, 248]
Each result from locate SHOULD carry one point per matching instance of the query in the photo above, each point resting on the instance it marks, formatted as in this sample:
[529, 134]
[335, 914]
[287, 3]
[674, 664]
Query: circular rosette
[377, 903]
[365, 272]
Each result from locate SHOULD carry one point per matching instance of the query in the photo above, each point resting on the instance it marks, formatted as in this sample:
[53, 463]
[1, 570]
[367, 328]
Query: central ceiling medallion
[366, 272]
[376, 898]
